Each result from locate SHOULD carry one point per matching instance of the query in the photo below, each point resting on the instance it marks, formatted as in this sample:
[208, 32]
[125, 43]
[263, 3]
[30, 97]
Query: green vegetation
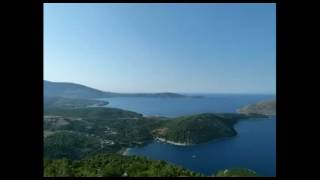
[113, 165]
[68, 131]
[200, 128]
[85, 141]
[264, 107]
[94, 113]
[197, 129]
[69, 144]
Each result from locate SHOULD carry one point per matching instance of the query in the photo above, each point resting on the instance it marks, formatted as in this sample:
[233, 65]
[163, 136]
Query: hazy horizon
[152, 48]
[241, 93]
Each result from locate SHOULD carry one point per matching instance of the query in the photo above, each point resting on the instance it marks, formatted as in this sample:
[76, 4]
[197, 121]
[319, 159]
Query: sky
[186, 48]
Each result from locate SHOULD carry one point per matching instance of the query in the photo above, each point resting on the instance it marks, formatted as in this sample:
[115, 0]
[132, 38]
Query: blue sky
[190, 48]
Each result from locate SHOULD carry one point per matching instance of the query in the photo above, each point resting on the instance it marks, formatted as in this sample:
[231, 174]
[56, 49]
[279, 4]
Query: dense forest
[199, 128]
[102, 165]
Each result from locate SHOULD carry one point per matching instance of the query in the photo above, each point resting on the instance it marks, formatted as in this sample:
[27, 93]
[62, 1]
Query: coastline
[126, 152]
[172, 142]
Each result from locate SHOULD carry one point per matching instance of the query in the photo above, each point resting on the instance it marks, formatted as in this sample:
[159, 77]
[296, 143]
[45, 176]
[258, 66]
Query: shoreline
[172, 142]
[125, 152]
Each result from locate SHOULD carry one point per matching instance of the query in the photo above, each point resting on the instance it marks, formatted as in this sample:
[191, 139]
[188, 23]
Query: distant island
[264, 107]
[73, 90]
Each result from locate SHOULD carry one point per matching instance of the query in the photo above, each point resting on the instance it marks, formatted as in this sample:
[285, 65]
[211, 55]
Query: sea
[254, 147]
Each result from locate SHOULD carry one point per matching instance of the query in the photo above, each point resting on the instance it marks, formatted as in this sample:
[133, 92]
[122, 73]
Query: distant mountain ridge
[61, 102]
[73, 90]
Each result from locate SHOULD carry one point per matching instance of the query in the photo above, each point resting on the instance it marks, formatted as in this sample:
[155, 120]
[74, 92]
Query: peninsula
[267, 107]
[73, 90]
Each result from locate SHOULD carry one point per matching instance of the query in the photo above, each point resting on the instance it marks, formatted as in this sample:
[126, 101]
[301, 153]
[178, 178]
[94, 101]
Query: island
[267, 107]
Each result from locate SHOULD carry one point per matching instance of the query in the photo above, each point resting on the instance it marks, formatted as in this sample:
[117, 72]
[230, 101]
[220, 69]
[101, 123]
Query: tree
[112, 170]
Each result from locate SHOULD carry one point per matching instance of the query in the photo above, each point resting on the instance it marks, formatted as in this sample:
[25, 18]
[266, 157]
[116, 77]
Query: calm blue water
[185, 106]
[254, 146]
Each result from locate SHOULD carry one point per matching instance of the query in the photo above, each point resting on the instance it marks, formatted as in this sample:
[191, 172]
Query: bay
[254, 147]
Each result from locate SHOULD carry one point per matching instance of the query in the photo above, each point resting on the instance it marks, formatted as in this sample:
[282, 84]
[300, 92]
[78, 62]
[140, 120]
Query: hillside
[263, 107]
[105, 165]
[201, 128]
[61, 102]
[114, 165]
[72, 90]
[111, 129]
